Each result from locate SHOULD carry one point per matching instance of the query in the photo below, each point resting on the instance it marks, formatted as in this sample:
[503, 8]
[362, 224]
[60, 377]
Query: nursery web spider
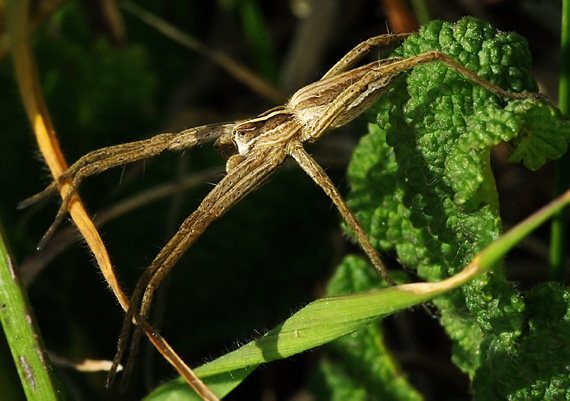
[258, 146]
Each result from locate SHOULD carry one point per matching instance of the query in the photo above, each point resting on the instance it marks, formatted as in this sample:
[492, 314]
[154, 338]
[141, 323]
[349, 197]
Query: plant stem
[22, 333]
[558, 228]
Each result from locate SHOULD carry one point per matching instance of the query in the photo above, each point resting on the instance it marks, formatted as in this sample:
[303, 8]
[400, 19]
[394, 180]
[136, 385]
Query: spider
[256, 148]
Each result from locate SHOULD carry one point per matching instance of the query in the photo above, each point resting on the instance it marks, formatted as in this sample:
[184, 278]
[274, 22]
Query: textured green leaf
[423, 186]
[539, 368]
[545, 133]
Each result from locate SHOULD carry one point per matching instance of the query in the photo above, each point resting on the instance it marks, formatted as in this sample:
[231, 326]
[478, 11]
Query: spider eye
[239, 133]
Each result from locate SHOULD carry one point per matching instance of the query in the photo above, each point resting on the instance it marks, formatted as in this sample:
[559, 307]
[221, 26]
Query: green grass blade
[318, 323]
[179, 390]
[562, 179]
[22, 334]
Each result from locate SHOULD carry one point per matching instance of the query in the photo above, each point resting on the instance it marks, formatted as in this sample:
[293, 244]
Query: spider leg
[382, 75]
[103, 159]
[430, 57]
[386, 41]
[315, 171]
[243, 178]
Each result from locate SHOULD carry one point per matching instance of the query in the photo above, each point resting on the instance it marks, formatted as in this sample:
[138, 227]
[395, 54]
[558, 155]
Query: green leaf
[423, 187]
[538, 370]
[545, 134]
